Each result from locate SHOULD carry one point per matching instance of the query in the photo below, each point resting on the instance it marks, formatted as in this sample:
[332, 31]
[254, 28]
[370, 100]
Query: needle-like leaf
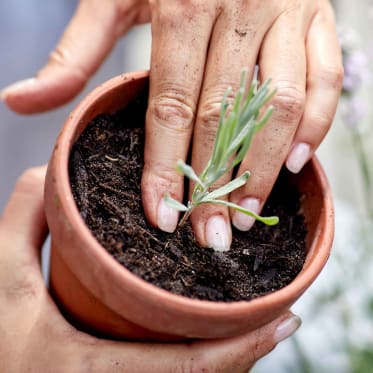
[188, 171]
[227, 188]
[174, 203]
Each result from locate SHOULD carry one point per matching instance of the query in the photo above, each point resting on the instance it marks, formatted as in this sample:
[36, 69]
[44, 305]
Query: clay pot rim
[120, 274]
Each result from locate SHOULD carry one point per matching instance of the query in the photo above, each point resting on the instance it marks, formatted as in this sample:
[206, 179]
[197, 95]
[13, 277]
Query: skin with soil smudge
[105, 171]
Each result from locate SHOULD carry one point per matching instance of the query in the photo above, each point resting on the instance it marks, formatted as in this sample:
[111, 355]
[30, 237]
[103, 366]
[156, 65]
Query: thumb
[237, 354]
[87, 40]
[23, 227]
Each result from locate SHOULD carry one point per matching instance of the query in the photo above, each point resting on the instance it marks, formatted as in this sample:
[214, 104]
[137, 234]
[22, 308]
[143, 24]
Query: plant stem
[184, 218]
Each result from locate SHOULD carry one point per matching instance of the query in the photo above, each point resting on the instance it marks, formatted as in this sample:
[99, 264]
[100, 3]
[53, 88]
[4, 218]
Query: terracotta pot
[100, 295]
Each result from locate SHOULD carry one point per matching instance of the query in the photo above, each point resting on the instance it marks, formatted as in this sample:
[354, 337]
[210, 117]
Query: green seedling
[238, 123]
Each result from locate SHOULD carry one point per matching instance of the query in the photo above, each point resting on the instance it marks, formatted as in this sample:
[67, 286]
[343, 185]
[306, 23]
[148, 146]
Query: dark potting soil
[105, 171]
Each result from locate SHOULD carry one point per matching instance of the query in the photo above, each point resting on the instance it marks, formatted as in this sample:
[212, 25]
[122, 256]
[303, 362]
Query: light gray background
[29, 29]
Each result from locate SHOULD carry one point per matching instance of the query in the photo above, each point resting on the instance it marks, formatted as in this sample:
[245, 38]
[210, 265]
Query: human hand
[198, 49]
[34, 337]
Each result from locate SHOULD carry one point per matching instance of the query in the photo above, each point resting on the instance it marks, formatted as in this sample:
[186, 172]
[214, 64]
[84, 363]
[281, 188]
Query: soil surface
[105, 171]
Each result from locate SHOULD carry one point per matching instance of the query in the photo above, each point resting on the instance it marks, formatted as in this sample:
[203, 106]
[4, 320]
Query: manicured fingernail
[287, 328]
[167, 217]
[218, 235]
[242, 221]
[298, 157]
[18, 86]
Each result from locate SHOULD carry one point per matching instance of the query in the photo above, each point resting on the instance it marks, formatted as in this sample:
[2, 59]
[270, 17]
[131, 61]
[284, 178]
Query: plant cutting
[234, 135]
[100, 294]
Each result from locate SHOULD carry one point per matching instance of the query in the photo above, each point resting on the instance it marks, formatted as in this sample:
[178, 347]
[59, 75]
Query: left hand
[34, 336]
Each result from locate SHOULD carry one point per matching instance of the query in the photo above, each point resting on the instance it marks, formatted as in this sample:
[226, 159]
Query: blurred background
[29, 30]
[337, 312]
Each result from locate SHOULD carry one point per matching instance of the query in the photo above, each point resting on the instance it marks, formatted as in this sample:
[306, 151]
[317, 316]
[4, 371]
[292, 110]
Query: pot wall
[101, 296]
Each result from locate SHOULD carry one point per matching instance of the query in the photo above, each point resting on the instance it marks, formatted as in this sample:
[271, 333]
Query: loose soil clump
[105, 171]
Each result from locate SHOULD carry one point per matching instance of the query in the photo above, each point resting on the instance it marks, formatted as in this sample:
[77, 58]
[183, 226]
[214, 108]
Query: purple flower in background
[353, 111]
[353, 108]
[356, 70]
[356, 74]
[355, 61]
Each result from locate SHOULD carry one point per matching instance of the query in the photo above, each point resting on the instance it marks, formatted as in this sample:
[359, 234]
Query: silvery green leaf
[173, 203]
[240, 138]
[264, 119]
[222, 118]
[268, 220]
[222, 141]
[226, 189]
[188, 171]
[243, 150]
[240, 93]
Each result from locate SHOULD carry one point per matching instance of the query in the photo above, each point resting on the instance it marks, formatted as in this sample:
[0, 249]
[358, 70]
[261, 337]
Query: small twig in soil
[148, 233]
[114, 208]
[117, 191]
[111, 159]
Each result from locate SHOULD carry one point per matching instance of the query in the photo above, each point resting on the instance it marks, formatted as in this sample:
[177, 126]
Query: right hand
[198, 49]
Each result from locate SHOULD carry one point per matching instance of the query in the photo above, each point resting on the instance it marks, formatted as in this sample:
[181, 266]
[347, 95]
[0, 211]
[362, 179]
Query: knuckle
[173, 110]
[25, 286]
[209, 114]
[208, 120]
[62, 58]
[289, 103]
[333, 76]
[61, 54]
[322, 121]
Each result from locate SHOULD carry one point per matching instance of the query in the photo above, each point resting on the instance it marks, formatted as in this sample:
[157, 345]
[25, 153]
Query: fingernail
[18, 86]
[218, 234]
[287, 328]
[167, 217]
[242, 221]
[298, 157]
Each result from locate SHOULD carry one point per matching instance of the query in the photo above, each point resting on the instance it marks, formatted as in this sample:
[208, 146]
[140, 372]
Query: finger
[88, 39]
[234, 45]
[282, 59]
[23, 228]
[229, 355]
[181, 35]
[324, 84]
